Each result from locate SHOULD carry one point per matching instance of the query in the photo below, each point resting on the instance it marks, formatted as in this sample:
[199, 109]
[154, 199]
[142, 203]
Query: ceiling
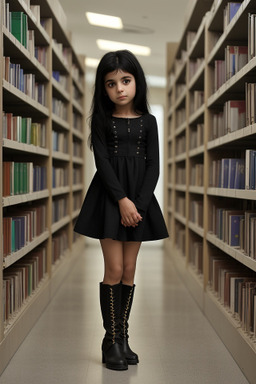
[149, 23]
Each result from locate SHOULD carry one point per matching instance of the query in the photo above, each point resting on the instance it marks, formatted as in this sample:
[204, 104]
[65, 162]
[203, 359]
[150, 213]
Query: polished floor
[175, 342]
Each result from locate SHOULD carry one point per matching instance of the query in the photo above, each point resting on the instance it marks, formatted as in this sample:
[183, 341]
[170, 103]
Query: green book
[25, 177]
[17, 25]
[24, 30]
[24, 130]
[21, 177]
[16, 179]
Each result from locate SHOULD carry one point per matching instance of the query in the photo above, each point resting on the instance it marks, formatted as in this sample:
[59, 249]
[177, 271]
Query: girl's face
[120, 87]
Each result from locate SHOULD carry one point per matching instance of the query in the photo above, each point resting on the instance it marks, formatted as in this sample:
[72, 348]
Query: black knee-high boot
[112, 349]
[127, 299]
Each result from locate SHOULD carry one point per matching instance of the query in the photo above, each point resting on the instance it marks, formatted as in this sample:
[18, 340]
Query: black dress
[127, 163]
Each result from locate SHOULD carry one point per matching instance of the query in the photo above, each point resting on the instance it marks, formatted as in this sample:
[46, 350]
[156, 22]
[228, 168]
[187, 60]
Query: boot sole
[132, 362]
[117, 368]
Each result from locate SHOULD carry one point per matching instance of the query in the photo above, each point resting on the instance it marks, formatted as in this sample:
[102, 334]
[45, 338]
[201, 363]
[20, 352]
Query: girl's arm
[105, 169]
[128, 211]
[152, 167]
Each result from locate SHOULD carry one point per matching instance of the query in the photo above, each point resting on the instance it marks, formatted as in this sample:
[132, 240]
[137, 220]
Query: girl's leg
[130, 257]
[130, 253]
[110, 302]
[113, 261]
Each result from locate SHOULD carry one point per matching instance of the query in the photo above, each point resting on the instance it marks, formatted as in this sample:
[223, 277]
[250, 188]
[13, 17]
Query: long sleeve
[152, 167]
[105, 169]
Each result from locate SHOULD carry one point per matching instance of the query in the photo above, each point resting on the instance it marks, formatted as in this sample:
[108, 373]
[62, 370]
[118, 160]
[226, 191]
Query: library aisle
[175, 342]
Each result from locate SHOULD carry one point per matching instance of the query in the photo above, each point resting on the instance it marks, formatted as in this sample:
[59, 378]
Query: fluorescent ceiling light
[107, 45]
[104, 20]
[90, 62]
[156, 81]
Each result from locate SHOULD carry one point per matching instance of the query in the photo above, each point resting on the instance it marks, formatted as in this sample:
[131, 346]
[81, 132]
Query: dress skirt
[100, 217]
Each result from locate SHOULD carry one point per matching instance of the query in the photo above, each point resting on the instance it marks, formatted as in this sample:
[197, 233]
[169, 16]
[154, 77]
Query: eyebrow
[122, 78]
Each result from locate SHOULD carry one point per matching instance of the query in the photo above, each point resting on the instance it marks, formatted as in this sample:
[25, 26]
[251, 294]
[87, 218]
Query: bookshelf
[210, 140]
[43, 154]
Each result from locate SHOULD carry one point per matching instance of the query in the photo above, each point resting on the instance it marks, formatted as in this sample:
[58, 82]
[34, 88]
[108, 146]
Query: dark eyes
[124, 81]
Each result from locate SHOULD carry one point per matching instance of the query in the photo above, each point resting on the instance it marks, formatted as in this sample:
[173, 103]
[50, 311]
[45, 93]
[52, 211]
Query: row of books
[59, 141]
[23, 130]
[25, 82]
[77, 201]
[197, 175]
[196, 136]
[77, 122]
[21, 227]
[235, 287]
[59, 245]
[236, 228]
[235, 173]
[77, 176]
[77, 95]
[61, 79]
[41, 55]
[193, 66]
[230, 11]
[63, 51]
[181, 205]
[59, 209]
[196, 255]
[250, 100]
[180, 116]
[17, 24]
[77, 149]
[180, 88]
[180, 145]
[180, 237]
[180, 175]
[236, 57]
[196, 101]
[196, 212]
[59, 108]
[23, 177]
[59, 177]
[21, 280]
[232, 118]
[75, 72]
[7, 20]
[228, 173]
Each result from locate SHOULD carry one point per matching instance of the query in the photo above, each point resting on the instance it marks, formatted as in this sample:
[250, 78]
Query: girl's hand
[130, 217]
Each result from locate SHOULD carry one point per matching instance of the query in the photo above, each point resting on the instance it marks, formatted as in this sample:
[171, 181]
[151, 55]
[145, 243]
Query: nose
[119, 87]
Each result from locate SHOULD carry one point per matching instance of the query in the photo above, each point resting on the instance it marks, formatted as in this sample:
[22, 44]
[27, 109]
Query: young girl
[120, 208]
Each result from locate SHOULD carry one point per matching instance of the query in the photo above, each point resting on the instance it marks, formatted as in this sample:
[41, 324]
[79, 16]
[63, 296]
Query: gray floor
[175, 342]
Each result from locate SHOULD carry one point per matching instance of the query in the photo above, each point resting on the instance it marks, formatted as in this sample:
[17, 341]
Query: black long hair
[102, 107]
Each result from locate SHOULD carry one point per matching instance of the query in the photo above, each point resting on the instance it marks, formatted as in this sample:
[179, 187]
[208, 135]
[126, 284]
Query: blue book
[252, 169]
[224, 173]
[233, 8]
[232, 173]
[234, 230]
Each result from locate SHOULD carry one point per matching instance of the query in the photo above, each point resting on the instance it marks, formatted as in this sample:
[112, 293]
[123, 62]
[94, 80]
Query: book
[17, 25]
[234, 230]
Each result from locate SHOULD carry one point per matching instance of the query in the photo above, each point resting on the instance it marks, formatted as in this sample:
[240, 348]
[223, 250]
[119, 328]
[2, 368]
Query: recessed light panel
[104, 20]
